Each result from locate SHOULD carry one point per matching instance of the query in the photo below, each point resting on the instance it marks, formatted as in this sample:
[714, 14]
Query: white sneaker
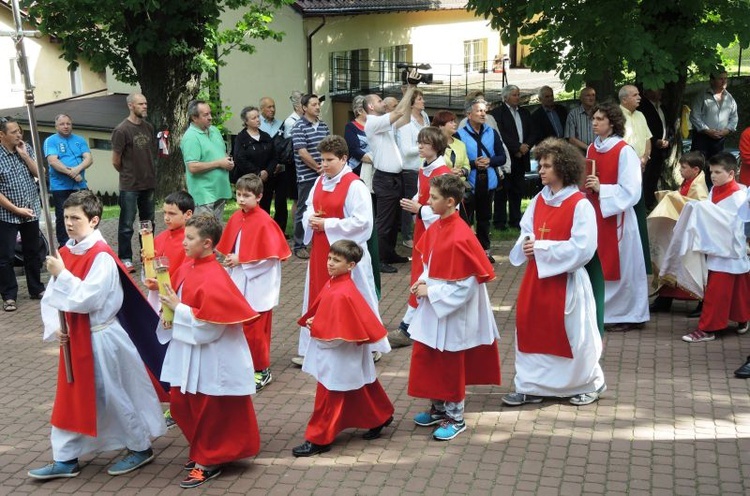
[742, 327]
[129, 265]
[376, 356]
[298, 360]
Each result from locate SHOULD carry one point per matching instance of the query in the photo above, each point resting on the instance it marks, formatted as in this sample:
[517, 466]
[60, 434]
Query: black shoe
[660, 304]
[697, 312]
[744, 371]
[387, 269]
[491, 258]
[397, 259]
[374, 433]
[309, 449]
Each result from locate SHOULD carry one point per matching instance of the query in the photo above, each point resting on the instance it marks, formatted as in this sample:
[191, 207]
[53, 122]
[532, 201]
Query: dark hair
[433, 137]
[251, 183]
[567, 161]
[4, 121]
[334, 144]
[613, 113]
[193, 108]
[207, 225]
[443, 117]
[348, 249]
[693, 159]
[415, 95]
[182, 199]
[724, 159]
[718, 72]
[449, 186]
[247, 110]
[88, 201]
[306, 99]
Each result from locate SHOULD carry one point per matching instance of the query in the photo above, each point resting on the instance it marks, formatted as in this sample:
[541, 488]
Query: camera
[421, 77]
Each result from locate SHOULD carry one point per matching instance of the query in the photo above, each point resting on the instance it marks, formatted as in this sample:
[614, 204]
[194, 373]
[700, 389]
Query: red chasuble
[419, 228]
[540, 323]
[341, 312]
[328, 204]
[724, 191]
[261, 237]
[607, 168]
[169, 244]
[455, 251]
[211, 294]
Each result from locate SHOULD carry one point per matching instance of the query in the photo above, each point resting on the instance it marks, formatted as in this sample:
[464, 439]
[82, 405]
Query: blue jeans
[304, 189]
[130, 201]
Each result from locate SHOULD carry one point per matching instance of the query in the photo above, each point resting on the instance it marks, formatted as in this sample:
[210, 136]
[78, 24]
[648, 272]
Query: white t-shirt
[386, 156]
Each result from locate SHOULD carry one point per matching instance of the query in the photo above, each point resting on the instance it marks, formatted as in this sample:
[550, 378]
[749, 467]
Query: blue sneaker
[168, 419]
[449, 429]
[56, 470]
[426, 419]
[132, 461]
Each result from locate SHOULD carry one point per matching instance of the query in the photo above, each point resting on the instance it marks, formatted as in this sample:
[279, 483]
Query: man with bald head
[578, 129]
[387, 183]
[637, 133]
[133, 153]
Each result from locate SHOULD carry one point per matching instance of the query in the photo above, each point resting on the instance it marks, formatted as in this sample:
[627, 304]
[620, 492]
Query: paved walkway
[674, 420]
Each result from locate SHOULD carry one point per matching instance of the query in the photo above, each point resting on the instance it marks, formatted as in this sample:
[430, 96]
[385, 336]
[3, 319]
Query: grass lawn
[113, 212]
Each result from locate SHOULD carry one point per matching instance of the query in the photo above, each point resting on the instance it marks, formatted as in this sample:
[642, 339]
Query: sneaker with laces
[129, 265]
[742, 327]
[518, 399]
[426, 419]
[168, 418]
[198, 476]
[56, 470]
[263, 379]
[699, 337]
[587, 398]
[132, 461]
[449, 429]
[398, 339]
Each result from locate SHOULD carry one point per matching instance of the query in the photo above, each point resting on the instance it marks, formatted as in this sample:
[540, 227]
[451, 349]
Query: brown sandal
[10, 306]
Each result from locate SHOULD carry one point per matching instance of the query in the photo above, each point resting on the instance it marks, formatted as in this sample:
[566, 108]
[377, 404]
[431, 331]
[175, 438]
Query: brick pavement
[673, 421]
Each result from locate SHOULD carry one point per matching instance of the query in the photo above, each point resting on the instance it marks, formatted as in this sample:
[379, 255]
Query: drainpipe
[309, 55]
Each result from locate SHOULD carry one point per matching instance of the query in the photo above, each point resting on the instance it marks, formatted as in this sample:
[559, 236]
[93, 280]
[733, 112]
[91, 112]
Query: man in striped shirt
[307, 134]
[578, 130]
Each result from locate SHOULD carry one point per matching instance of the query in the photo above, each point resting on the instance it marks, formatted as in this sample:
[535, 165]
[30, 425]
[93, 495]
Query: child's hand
[151, 283]
[410, 205]
[170, 299]
[528, 247]
[55, 264]
[64, 338]
[419, 288]
[166, 325]
[309, 322]
[317, 223]
[143, 257]
[231, 260]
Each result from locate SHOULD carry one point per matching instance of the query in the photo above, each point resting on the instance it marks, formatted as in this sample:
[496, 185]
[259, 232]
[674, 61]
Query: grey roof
[348, 7]
[93, 113]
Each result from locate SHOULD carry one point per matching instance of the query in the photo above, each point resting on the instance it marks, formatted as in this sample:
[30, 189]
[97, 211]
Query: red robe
[541, 327]
[608, 231]
[75, 403]
[261, 239]
[456, 254]
[169, 244]
[423, 192]
[341, 312]
[331, 206]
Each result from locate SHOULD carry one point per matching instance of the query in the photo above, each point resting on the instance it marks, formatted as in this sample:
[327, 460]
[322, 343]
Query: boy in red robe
[453, 328]
[111, 403]
[208, 362]
[254, 247]
[341, 323]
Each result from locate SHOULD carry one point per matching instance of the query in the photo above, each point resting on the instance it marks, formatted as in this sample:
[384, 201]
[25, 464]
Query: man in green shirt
[207, 163]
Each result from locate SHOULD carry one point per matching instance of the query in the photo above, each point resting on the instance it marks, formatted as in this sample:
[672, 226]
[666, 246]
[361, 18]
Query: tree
[607, 42]
[171, 48]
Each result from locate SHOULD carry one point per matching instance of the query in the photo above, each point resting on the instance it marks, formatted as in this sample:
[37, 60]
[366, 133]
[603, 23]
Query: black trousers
[388, 189]
[483, 209]
[508, 199]
[32, 261]
[275, 191]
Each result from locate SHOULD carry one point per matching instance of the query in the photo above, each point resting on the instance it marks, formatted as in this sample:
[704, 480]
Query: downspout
[309, 56]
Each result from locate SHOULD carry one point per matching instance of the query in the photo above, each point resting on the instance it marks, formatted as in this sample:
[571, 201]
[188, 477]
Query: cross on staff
[18, 37]
[543, 231]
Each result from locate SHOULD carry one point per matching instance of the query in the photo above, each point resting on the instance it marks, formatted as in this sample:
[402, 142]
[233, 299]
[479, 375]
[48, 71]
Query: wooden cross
[542, 230]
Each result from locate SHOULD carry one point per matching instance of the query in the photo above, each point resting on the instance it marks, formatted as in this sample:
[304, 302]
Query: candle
[161, 266]
[147, 242]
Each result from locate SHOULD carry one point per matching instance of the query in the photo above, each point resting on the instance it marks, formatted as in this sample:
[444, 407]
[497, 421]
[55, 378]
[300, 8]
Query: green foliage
[592, 40]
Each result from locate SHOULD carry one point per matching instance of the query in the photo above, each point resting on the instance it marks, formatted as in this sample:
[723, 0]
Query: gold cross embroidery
[542, 230]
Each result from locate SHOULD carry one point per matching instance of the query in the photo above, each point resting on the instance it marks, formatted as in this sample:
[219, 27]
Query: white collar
[85, 244]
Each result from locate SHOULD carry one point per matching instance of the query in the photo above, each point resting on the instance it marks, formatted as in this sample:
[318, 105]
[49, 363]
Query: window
[475, 55]
[100, 144]
[76, 84]
[389, 57]
[349, 71]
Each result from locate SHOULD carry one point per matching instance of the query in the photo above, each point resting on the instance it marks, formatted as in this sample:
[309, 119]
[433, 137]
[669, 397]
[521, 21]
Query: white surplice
[356, 225]
[128, 413]
[326, 359]
[259, 282]
[626, 300]
[548, 375]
